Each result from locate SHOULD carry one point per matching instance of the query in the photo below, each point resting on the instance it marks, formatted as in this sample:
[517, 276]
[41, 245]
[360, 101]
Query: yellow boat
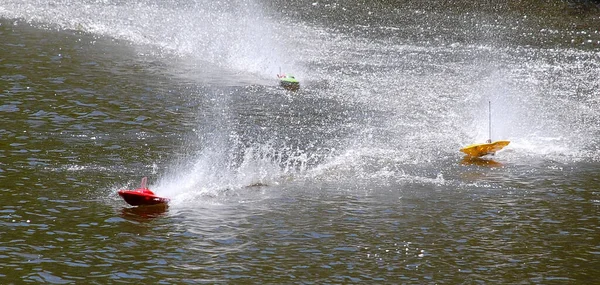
[481, 149]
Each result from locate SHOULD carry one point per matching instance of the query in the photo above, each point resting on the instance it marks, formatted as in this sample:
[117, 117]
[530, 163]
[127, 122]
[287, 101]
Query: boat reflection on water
[144, 212]
[487, 162]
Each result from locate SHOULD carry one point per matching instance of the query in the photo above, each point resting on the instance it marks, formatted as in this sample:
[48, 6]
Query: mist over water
[355, 178]
[230, 35]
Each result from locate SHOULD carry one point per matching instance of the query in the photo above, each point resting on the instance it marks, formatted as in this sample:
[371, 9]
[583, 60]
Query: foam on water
[436, 98]
[235, 35]
[417, 102]
[214, 173]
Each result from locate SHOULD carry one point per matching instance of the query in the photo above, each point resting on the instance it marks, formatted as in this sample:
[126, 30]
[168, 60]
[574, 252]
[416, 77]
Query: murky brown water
[356, 178]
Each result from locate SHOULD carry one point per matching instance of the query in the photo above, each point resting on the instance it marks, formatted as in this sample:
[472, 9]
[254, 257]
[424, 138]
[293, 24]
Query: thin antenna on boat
[490, 120]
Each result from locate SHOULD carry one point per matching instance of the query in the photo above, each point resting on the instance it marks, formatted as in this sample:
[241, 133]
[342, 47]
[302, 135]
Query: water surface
[355, 178]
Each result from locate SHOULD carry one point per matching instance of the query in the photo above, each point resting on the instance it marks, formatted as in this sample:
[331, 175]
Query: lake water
[356, 178]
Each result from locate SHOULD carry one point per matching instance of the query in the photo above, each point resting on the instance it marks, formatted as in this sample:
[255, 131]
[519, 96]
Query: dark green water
[354, 179]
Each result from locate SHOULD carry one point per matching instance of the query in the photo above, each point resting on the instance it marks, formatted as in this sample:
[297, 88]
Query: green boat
[288, 82]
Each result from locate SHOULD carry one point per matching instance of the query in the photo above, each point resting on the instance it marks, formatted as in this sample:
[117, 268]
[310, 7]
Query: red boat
[142, 196]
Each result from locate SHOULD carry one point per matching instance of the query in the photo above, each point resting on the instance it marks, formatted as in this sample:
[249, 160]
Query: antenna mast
[490, 119]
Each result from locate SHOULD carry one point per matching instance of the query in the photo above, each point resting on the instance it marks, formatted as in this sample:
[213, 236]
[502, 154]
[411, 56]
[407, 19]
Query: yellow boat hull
[481, 149]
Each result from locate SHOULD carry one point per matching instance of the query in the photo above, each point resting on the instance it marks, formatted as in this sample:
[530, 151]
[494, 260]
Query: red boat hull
[141, 197]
